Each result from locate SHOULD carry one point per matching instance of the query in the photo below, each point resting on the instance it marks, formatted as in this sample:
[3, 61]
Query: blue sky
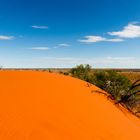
[65, 33]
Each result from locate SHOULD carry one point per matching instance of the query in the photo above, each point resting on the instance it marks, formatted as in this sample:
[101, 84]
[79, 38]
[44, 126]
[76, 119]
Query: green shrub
[112, 82]
[82, 72]
[132, 93]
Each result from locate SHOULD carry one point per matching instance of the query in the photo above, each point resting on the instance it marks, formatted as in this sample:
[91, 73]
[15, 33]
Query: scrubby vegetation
[82, 72]
[133, 76]
[121, 89]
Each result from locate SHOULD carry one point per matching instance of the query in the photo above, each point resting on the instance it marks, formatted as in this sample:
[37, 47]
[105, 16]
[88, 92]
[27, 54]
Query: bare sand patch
[47, 106]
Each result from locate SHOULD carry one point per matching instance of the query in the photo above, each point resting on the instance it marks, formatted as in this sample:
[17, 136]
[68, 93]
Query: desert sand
[48, 106]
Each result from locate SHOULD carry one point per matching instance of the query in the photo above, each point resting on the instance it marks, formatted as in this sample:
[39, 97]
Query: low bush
[82, 72]
[113, 83]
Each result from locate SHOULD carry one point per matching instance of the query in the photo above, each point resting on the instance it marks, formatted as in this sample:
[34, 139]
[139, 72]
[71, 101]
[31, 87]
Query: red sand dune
[47, 106]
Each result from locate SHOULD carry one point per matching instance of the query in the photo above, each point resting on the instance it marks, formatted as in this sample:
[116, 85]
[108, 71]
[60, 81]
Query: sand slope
[46, 106]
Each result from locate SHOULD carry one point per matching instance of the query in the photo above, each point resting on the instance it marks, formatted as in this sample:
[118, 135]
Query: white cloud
[93, 39]
[40, 48]
[132, 30]
[39, 27]
[115, 40]
[62, 45]
[2, 37]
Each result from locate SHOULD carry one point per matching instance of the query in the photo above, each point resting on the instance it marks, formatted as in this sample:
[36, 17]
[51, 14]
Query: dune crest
[47, 106]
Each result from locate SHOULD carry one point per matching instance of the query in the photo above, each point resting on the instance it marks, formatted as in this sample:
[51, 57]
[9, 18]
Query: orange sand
[46, 106]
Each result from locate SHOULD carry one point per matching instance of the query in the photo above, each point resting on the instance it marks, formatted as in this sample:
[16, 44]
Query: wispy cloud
[39, 27]
[48, 48]
[93, 39]
[132, 30]
[2, 37]
[115, 40]
[39, 48]
[61, 45]
[64, 45]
